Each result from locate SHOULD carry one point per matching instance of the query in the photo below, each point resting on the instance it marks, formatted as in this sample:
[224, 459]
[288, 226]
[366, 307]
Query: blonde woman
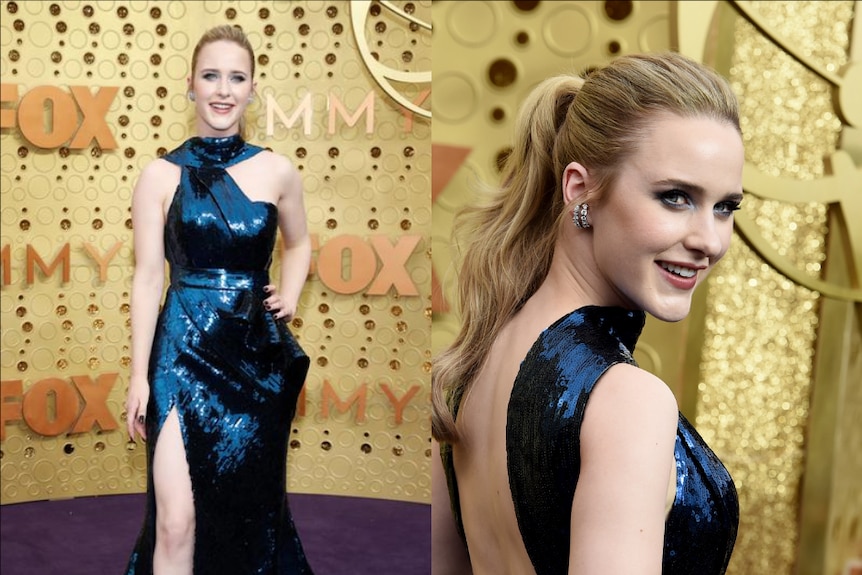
[216, 373]
[558, 454]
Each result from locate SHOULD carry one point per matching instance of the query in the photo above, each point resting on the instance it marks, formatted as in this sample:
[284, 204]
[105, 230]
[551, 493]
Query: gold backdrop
[92, 91]
[768, 364]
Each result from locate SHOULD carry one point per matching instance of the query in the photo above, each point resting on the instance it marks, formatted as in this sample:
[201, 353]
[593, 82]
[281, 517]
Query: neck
[573, 279]
[204, 130]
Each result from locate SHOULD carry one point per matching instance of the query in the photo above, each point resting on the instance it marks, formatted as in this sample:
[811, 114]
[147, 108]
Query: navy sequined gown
[545, 413]
[229, 369]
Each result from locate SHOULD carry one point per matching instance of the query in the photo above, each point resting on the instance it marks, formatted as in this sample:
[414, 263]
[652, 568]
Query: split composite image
[430, 287]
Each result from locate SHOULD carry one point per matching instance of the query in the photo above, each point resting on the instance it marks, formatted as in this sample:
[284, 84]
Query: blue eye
[209, 75]
[674, 198]
[726, 209]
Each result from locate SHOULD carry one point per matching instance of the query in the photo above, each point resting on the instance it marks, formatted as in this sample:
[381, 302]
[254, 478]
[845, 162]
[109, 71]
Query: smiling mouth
[222, 107]
[680, 271]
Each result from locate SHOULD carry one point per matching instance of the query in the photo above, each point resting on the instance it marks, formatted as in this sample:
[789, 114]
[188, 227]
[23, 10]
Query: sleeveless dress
[545, 413]
[229, 369]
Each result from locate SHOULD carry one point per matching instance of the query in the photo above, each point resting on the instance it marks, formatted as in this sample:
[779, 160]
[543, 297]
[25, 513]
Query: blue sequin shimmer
[545, 413]
[229, 369]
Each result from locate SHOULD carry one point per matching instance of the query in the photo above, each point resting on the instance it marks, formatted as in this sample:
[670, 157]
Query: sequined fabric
[545, 413]
[231, 371]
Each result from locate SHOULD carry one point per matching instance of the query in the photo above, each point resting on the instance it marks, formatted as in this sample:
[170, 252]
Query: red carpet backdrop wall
[93, 91]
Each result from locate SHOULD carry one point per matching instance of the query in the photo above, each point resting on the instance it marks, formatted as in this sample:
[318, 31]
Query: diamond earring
[579, 216]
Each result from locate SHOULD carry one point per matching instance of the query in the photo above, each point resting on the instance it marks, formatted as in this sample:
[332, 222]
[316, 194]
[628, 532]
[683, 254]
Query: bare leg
[175, 512]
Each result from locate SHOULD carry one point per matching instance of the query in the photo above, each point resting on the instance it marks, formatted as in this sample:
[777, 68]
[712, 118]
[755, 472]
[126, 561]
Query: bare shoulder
[160, 168]
[284, 175]
[632, 400]
[276, 164]
[158, 178]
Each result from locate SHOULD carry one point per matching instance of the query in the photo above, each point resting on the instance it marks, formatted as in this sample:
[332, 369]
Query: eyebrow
[694, 188]
[218, 71]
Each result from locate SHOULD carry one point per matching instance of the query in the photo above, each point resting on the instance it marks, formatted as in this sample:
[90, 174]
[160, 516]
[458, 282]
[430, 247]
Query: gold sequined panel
[756, 383]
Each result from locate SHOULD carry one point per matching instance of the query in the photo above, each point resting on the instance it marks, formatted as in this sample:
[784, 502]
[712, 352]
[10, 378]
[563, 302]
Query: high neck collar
[212, 152]
[623, 324]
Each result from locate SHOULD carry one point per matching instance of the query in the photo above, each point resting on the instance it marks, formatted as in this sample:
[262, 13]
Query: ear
[189, 84]
[575, 183]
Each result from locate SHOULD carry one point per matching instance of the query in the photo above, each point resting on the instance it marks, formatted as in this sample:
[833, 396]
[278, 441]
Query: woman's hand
[136, 407]
[276, 305]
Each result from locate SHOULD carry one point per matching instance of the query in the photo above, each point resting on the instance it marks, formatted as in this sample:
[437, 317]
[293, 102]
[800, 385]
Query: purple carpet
[94, 535]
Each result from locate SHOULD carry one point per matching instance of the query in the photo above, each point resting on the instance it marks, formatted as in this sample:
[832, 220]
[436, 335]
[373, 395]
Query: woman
[216, 374]
[561, 455]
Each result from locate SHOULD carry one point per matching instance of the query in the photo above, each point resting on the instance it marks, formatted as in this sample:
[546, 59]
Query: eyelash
[212, 76]
[726, 208]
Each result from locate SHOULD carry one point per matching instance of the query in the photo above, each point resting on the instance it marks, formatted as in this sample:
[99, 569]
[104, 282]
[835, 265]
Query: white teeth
[679, 270]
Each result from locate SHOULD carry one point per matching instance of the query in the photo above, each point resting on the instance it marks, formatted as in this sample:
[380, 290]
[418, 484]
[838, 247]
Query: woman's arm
[448, 553]
[296, 245]
[627, 443]
[156, 183]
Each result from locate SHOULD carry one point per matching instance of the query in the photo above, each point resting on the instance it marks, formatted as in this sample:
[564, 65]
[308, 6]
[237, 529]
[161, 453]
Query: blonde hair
[508, 242]
[227, 33]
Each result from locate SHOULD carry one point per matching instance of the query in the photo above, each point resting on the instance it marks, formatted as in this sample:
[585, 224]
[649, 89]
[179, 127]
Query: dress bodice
[545, 414]
[211, 222]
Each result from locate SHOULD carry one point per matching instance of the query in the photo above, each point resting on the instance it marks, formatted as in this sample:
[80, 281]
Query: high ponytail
[599, 123]
[509, 247]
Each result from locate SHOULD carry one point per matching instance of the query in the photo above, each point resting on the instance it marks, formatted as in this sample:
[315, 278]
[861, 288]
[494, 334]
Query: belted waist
[242, 305]
[217, 278]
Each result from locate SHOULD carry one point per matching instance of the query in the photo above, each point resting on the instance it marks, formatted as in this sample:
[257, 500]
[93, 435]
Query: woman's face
[222, 85]
[665, 222]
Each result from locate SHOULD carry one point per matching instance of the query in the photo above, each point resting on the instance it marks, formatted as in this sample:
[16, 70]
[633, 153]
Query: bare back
[479, 457]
